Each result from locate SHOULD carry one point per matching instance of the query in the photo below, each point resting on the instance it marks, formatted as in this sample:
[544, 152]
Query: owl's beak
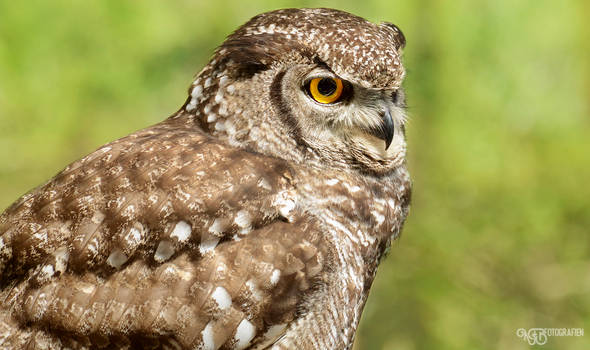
[385, 130]
[388, 128]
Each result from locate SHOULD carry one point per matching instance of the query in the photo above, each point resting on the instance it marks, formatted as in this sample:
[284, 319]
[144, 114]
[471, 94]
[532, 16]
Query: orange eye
[326, 90]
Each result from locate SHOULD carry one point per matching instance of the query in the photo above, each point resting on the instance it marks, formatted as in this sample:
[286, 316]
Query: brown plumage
[254, 217]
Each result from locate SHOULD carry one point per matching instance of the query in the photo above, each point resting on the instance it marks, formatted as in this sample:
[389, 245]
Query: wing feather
[164, 237]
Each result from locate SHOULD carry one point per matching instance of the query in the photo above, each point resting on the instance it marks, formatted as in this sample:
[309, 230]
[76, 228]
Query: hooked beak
[385, 130]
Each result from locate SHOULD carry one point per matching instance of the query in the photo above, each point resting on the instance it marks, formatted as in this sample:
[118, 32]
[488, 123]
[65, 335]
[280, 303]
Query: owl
[252, 218]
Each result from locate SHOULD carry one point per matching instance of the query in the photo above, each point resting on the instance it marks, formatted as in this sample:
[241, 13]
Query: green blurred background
[499, 143]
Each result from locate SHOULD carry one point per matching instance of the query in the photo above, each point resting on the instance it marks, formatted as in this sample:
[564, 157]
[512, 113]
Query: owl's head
[318, 86]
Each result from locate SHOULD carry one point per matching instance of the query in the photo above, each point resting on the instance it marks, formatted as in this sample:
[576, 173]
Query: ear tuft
[398, 36]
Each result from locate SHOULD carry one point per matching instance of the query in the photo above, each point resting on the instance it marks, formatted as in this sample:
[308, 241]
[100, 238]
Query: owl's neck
[364, 212]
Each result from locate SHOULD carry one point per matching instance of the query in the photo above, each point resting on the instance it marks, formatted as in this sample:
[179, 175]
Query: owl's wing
[164, 237]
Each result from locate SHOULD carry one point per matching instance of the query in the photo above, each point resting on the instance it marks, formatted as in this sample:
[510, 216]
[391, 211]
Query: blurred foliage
[499, 140]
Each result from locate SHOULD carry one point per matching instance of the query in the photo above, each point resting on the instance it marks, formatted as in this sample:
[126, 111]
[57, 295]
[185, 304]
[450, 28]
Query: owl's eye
[325, 90]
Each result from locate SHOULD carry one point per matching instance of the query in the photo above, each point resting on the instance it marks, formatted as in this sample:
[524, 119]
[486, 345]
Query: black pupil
[327, 86]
